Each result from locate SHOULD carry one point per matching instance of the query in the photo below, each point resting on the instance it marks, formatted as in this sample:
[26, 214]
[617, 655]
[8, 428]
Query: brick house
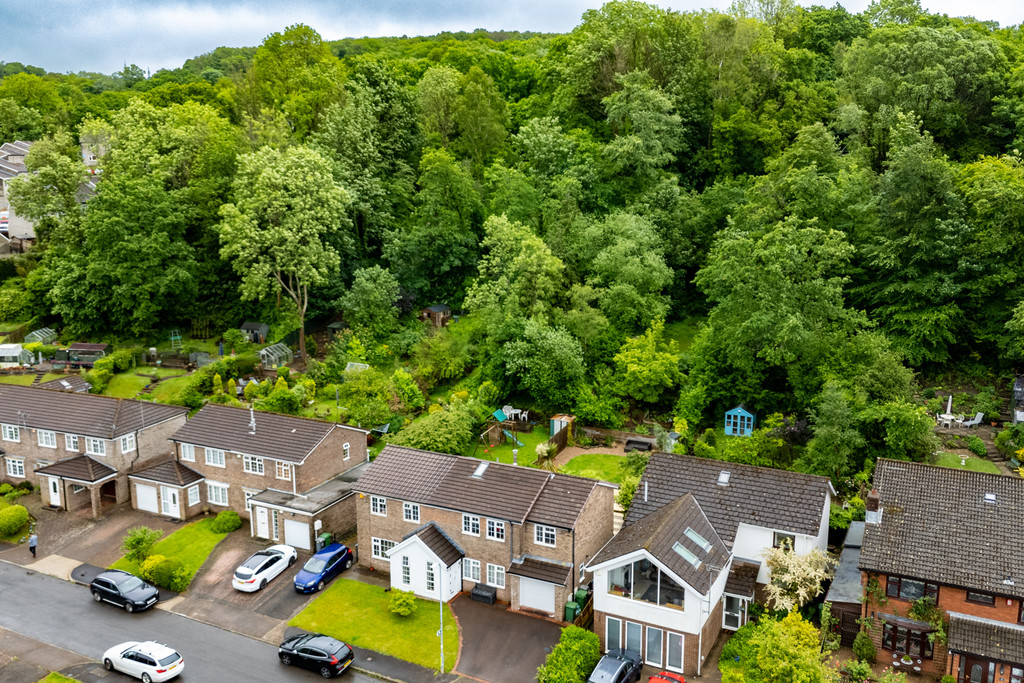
[687, 562]
[287, 476]
[80, 449]
[953, 536]
[441, 524]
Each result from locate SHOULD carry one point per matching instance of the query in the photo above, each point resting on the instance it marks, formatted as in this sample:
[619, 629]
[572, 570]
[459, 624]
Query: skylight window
[480, 469]
[686, 555]
[723, 478]
[990, 498]
[698, 539]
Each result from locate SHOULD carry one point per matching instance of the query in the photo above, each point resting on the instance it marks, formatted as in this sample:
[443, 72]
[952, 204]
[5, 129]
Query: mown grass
[357, 613]
[191, 544]
[24, 380]
[682, 332]
[503, 452]
[972, 463]
[169, 391]
[58, 678]
[603, 466]
[125, 385]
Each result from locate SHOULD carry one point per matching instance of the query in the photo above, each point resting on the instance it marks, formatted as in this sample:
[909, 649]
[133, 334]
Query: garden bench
[1013, 462]
[484, 593]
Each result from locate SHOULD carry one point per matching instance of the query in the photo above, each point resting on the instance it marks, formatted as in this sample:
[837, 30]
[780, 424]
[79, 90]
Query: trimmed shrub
[948, 678]
[14, 494]
[138, 543]
[25, 485]
[977, 446]
[864, 648]
[402, 603]
[12, 519]
[577, 653]
[5, 488]
[857, 672]
[226, 521]
[168, 573]
[148, 565]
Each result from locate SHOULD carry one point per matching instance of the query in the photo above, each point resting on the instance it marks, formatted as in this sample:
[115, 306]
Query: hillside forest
[654, 217]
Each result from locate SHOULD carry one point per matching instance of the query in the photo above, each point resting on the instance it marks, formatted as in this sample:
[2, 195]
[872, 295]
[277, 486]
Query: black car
[318, 652]
[618, 666]
[124, 590]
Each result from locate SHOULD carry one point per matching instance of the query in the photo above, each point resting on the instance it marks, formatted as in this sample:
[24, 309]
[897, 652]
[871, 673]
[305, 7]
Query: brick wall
[327, 459]
[692, 645]
[595, 525]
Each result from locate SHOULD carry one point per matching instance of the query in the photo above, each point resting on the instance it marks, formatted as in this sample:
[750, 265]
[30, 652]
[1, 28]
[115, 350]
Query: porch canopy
[84, 471]
[997, 640]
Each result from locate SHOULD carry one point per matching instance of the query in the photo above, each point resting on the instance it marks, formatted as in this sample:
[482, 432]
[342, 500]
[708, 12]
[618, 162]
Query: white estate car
[147, 660]
[262, 566]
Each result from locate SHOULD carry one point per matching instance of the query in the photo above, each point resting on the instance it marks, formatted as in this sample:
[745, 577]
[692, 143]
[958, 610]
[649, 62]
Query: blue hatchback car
[323, 567]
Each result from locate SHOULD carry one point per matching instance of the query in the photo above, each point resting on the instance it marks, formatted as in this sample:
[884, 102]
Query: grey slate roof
[998, 640]
[169, 472]
[516, 494]
[439, 543]
[936, 524]
[659, 531]
[742, 578]
[280, 437]
[76, 413]
[760, 496]
[79, 468]
[549, 572]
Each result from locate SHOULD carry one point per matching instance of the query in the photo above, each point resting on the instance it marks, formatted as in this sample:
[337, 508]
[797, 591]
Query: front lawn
[57, 678]
[126, 385]
[603, 466]
[191, 544]
[358, 613]
[973, 463]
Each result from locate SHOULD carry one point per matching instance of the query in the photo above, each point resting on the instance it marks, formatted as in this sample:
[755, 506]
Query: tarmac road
[63, 614]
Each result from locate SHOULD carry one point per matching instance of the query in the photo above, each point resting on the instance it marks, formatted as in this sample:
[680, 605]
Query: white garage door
[296, 534]
[145, 498]
[537, 595]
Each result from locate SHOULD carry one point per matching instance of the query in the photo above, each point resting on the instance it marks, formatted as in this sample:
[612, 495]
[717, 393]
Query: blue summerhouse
[739, 422]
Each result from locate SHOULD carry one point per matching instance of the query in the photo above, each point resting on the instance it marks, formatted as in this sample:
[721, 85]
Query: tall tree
[480, 114]
[437, 93]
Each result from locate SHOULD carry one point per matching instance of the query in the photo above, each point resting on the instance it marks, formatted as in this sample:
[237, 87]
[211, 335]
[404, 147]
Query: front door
[169, 501]
[976, 670]
[262, 527]
[732, 615]
[55, 492]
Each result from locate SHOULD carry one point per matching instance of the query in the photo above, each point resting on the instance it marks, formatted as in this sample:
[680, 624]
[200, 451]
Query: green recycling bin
[571, 610]
[581, 596]
[323, 540]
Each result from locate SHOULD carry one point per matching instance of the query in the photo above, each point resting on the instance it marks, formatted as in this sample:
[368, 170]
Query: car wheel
[128, 607]
[348, 563]
[146, 678]
[320, 586]
[291, 561]
[108, 665]
[263, 584]
[97, 597]
[326, 672]
[286, 659]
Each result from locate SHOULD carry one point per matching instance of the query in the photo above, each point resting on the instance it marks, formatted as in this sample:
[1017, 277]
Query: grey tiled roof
[72, 383]
[169, 472]
[742, 578]
[936, 524]
[79, 468]
[75, 413]
[517, 494]
[760, 496]
[658, 532]
[281, 437]
[550, 572]
[998, 640]
[439, 543]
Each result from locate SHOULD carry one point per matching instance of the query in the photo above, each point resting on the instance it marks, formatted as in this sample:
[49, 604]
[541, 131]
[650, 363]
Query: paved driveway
[500, 646]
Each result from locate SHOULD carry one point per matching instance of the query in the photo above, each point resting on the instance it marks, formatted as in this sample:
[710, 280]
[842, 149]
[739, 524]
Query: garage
[536, 595]
[296, 534]
[145, 498]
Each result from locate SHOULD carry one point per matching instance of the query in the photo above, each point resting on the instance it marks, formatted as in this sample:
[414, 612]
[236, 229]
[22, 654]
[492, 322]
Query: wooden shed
[438, 314]
[257, 333]
[739, 421]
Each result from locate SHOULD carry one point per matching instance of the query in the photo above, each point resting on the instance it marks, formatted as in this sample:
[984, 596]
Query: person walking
[32, 541]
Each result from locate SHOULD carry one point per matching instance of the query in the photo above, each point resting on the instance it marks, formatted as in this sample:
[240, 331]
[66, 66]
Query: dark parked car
[618, 666]
[124, 590]
[323, 567]
[320, 653]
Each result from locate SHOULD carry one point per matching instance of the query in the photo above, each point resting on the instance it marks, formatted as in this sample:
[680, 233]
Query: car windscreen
[130, 584]
[169, 659]
[315, 565]
[255, 561]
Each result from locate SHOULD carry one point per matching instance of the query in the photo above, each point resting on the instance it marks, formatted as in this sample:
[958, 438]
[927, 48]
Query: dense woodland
[838, 198]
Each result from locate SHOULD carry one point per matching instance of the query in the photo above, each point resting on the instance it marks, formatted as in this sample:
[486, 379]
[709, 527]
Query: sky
[104, 35]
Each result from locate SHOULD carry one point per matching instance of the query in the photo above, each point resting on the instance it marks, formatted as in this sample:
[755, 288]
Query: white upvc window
[252, 464]
[249, 493]
[71, 442]
[127, 443]
[216, 494]
[188, 452]
[470, 569]
[495, 575]
[47, 439]
[471, 525]
[406, 578]
[495, 530]
[347, 450]
[283, 470]
[11, 433]
[16, 468]
[193, 495]
[379, 506]
[77, 488]
[381, 546]
[410, 512]
[544, 535]
[430, 576]
[215, 457]
[94, 446]
[274, 533]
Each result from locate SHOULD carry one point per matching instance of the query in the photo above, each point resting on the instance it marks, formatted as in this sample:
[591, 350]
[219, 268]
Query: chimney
[873, 508]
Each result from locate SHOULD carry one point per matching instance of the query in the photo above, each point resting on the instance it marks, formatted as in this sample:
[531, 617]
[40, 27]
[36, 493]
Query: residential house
[81, 448]
[952, 536]
[441, 524]
[12, 164]
[688, 560]
[284, 474]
